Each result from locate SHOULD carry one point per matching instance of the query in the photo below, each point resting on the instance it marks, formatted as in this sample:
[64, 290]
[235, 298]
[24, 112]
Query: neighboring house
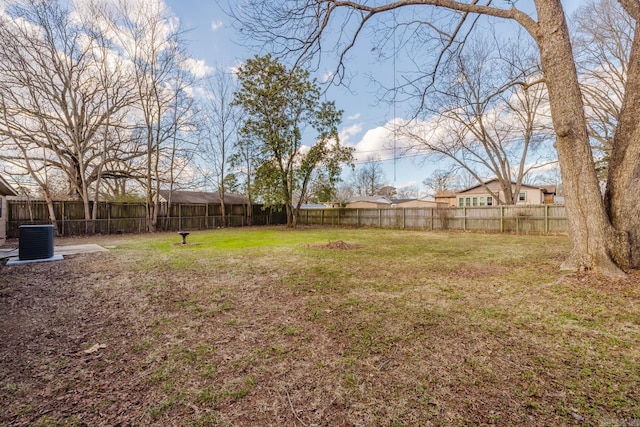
[201, 197]
[550, 194]
[445, 199]
[425, 202]
[369, 202]
[479, 196]
[5, 190]
[335, 204]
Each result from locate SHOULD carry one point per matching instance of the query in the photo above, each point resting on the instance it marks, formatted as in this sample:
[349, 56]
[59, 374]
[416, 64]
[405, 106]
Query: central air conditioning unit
[36, 242]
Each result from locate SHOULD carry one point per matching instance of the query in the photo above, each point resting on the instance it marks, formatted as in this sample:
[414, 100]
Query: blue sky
[213, 39]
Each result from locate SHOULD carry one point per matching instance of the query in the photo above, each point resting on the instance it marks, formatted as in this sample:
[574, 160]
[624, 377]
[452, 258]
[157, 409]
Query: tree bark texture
[596, 244]
[622, 199]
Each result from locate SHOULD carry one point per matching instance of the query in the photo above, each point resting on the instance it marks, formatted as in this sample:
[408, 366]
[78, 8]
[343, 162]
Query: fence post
[464, 218]
[431, 219]
[546, 219]
[404, 218]
[322, 217]
[501, 219]
[380, 218]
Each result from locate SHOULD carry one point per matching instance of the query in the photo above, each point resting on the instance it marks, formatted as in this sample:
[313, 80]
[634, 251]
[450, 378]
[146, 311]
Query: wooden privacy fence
[116, 218]
[535, 219]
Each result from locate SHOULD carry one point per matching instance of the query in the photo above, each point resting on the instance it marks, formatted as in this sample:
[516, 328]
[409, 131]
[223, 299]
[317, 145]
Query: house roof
[370, 199]
[313, 206]
[493, 180]
[397, 201]
[421, 199]
[197, 197]
[6, 189]
[444, 194]
[548, 189]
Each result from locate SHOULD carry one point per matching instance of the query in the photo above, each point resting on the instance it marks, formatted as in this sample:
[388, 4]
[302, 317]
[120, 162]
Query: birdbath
[184, 235]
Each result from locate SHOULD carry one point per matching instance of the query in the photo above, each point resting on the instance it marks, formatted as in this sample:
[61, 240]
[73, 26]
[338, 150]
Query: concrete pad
[78, 249]
[18, 261]
[57, 251]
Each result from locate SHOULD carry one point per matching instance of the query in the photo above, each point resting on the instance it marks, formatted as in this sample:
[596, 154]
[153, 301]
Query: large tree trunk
[623, 183]
[52, 214]
[223, 209]
[596, 244]
[289, 212]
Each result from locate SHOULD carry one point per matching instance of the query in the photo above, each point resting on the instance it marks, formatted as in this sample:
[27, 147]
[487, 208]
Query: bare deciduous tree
[602, 44]
[59, 95]
[152, 42]
[486, 114]
[368, 178]
[441, 180]
[220, 121]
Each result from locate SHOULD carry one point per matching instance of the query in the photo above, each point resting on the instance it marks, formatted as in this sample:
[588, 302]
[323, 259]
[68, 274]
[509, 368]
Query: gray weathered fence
[116, 218]
[535, 219]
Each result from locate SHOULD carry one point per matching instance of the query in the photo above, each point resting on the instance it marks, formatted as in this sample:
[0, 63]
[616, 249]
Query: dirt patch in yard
[338, 244]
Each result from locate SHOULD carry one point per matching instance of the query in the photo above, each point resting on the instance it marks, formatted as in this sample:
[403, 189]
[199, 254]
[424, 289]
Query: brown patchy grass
[270, 327]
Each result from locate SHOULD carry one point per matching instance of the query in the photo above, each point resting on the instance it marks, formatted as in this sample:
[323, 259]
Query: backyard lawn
[317, 327]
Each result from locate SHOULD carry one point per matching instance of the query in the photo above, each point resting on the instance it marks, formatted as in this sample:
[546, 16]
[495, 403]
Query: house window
[481, 201]
[522, 196]
[475, 201]
[489, 201]
[461, 201]
[468, 201]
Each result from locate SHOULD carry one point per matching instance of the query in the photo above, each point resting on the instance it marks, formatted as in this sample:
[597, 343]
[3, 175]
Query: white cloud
[216, 25]
[349, 131]
[197, 67]
[327, 76]
[376, 143]
[354, 117]
[381, 142]
[235, 69]
[411, 183]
